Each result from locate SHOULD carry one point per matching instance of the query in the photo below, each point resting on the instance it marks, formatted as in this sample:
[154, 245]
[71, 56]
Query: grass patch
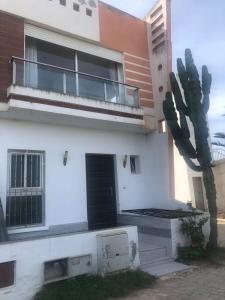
[209, 256]
[96, 287]
[216, 256]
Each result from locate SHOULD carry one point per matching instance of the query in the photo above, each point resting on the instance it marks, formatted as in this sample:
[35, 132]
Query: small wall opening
[7, 274]
[62, 2]
[56, 270]
[135, 167]
[76, 7]
[162, 128]
[89, 12]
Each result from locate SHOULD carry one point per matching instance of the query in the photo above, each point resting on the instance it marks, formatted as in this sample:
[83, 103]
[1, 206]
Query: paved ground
[203, 283]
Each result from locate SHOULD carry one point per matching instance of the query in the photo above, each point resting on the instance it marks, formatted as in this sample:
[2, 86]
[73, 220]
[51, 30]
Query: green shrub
[192, 227]
[191, 253]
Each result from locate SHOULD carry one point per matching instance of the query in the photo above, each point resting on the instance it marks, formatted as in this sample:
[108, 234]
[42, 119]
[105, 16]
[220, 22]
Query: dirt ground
[201, 283]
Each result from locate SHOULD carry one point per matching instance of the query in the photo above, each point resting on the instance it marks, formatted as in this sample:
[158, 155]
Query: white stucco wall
[183, 176]
[219, 173]
[31, 255]
[65, 186]
[51, 14]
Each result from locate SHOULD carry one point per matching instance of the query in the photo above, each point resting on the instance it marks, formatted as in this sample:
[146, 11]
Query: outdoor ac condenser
[113, 252]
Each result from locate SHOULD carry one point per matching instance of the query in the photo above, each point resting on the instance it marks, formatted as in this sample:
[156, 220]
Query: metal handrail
[72, 71]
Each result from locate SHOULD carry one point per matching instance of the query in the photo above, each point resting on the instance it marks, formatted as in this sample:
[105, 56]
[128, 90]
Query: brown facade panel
[137, 76]
[137, 61]
[146, 103]
[133, 67]
[146, 94]
[122, 32]
[141, 85]
[11, 44]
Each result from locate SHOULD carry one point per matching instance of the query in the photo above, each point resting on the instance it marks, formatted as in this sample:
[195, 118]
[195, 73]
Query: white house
[81, 135]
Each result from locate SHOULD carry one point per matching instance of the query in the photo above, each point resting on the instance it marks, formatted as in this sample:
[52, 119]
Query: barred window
[25, 189]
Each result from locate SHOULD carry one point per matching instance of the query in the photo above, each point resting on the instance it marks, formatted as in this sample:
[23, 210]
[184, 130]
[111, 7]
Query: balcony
[43, 93]
[63, 81]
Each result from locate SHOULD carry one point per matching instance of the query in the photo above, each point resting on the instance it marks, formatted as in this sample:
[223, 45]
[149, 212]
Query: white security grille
[25, 191]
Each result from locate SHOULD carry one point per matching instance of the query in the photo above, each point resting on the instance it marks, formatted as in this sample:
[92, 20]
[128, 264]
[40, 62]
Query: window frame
[26, 153]
[118, 66]
[26, 191]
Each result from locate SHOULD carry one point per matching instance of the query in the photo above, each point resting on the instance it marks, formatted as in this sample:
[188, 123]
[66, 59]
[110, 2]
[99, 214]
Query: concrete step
[157, 261]
[155, 240]
[164, 267]
[151, 253]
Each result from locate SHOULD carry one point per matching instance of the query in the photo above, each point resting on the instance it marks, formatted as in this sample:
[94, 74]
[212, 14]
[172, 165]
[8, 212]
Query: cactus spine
[193, 104]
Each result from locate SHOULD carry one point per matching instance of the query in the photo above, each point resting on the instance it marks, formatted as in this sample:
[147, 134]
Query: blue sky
[199, 25]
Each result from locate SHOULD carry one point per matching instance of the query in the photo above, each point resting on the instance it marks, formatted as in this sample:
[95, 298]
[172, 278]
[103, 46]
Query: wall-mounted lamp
[65, 158]
[125, 161]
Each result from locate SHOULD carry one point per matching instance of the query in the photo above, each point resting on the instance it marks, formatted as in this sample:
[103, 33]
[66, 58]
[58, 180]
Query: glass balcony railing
[64, 81]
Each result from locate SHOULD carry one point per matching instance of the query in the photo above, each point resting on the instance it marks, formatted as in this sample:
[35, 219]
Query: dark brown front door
[101, 196]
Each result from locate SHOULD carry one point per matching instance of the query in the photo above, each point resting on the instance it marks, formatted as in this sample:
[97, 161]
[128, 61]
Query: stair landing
[155, 260]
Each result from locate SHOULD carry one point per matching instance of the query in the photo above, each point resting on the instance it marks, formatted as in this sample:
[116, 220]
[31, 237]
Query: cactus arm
[183, 144]
[206, 87]
[191, 69]
[184, 126]
[184, 82]
[180, 105]
[192, 165]
[194, 84]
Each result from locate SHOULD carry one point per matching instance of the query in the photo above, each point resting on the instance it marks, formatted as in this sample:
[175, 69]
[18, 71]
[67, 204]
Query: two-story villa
[81, 131]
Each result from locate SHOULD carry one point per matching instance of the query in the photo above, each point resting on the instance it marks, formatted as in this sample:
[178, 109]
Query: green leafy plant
[190, 253]
[192, 227]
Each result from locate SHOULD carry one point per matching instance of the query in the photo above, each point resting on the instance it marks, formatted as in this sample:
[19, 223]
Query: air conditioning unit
[112, 252]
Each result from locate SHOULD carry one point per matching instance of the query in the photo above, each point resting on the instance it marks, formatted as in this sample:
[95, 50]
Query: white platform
[156, 259]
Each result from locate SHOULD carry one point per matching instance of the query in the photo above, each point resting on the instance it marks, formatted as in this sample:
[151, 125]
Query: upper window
[57, 69]
[76, 7]
[96, 88]
[62, 2]
[25, 188]
[97, 66]
[89, 12]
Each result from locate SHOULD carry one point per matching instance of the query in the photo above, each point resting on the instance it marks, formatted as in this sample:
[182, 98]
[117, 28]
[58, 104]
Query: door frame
[115, 180]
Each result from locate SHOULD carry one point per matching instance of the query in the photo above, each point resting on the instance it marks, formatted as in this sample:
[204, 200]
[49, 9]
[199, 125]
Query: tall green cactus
[193, 103]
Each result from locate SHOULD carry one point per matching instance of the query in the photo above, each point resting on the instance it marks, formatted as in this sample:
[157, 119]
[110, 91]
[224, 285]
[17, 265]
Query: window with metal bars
[135, 164]
[25, 193]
